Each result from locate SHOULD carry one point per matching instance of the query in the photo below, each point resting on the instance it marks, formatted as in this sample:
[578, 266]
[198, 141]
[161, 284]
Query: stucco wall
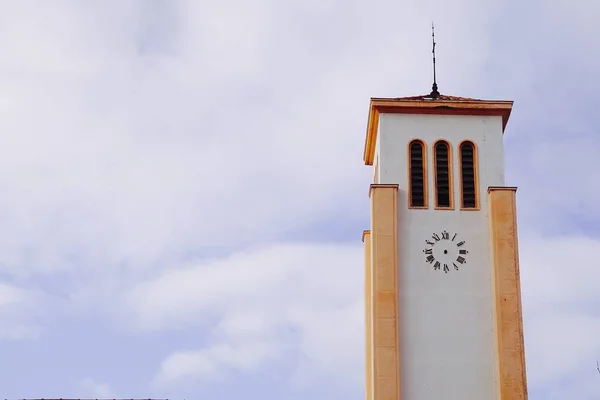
[446, 324]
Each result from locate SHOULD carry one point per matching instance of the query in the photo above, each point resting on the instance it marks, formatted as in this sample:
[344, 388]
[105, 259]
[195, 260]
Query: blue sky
[182, 182]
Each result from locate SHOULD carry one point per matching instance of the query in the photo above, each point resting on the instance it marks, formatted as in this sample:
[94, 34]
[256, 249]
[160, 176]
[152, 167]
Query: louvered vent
[442, 174]
[467, 159]
[417, 175]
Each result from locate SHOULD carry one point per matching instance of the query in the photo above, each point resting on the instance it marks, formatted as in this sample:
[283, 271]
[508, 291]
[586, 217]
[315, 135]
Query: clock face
[445, 251]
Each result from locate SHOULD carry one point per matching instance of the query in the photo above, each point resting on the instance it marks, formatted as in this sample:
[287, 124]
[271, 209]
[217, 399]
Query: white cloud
[561, 344]
[18, 311]
[214, 362]
[226, 39]
[296, 300]
[559, 270]
[560, 296]
[89, 387]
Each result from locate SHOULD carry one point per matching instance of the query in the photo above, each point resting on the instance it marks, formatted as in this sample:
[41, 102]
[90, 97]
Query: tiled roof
[429, 97]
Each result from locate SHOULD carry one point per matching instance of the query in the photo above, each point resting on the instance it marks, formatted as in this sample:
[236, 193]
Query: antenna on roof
[434, 89]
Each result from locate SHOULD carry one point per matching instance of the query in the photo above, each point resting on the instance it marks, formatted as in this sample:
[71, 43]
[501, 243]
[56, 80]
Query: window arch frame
[450, 175]
[425, 183]
[476, 190]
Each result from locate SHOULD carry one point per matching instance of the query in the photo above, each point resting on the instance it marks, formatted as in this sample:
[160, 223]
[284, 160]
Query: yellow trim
[384, 272]
[376, 173]
[510, 347]
[475, 176]
[380, 185]
[425, 205]
[364, 234]
[450, 175]
[438, 107]
[372, 128]
[368, 317]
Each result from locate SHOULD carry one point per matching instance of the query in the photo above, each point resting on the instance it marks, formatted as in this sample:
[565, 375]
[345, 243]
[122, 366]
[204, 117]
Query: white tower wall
[446, 319]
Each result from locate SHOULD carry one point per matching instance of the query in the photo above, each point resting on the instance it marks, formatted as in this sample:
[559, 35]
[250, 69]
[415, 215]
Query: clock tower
[442, 287]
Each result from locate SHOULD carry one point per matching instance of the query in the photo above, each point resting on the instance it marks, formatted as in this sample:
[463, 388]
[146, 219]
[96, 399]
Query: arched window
[443, 175]
[468, 175]
[417, 195]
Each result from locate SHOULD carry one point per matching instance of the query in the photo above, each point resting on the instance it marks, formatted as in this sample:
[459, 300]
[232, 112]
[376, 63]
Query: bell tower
[442, 286]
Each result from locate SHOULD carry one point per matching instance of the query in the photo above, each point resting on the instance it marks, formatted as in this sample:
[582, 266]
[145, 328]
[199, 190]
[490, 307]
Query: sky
[182, 184]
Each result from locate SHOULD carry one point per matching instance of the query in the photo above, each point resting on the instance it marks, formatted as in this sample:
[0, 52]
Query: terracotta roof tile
[428, 97]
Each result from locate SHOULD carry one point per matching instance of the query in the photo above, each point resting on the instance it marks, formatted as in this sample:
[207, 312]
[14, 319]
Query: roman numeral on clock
[439, 253]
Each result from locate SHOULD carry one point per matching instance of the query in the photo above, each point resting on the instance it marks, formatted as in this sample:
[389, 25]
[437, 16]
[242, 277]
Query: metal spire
[434, 89]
